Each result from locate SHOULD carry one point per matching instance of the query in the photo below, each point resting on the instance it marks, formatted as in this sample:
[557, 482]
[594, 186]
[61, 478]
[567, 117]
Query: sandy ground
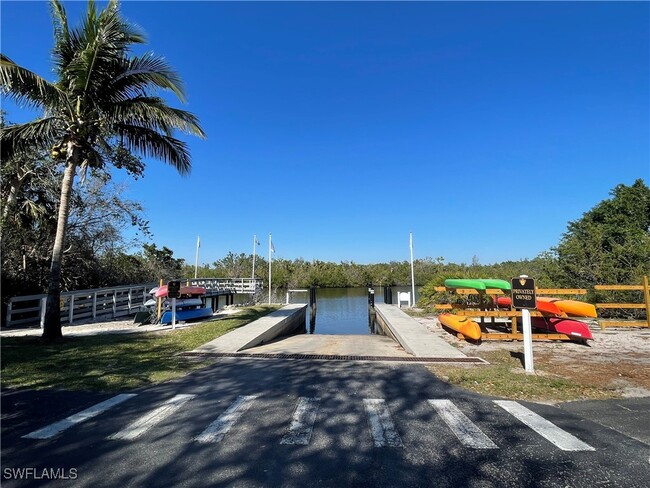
[114, 326]
[616, 358]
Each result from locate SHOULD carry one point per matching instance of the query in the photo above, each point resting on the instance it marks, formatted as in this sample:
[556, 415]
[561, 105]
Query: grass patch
[111, 362]
[505, 377]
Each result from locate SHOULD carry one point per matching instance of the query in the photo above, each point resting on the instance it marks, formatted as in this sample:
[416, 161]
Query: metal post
[254, 253]
[412, 304]
[173, 313]
[388, 295]
[196, 260]
[270, 260]
[528, 339]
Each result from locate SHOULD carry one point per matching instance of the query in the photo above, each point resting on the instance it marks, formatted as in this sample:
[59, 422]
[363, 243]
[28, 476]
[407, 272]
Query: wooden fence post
[42, 313]
[71, 309]
[646, 299]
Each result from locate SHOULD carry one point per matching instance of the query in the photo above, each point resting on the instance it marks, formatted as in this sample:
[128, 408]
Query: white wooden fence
[80, 305]
[108, 303]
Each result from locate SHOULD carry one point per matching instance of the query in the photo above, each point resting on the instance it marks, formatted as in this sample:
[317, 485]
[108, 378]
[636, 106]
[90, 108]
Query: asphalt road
[296, 423]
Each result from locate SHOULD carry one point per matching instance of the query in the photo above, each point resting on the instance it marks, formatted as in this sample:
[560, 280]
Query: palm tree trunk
[52, 325]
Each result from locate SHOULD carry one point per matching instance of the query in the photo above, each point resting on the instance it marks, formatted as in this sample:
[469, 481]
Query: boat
[180, 302]
[542, 306]
[502, 285]
[570, 327]
[479, 284]
[464, 325]
[185, 291]
[465, 283]
[571, 307]
[186, 314]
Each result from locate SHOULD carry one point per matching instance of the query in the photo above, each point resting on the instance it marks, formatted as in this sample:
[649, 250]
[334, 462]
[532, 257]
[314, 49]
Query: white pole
[412, 272]
[528, 339]
[173, 313]
[196, 261]
[254, 250]
[270, 259]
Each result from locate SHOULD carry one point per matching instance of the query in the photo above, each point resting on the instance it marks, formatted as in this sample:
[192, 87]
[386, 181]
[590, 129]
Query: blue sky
[340, 127]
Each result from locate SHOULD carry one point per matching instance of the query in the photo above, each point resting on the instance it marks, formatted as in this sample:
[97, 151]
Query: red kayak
[545, 307]
[185, 291]
[570, 327]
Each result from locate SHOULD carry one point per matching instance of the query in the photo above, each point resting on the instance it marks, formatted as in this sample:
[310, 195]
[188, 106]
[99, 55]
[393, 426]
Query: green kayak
[465, 283]
[502, 285]
[478, 284]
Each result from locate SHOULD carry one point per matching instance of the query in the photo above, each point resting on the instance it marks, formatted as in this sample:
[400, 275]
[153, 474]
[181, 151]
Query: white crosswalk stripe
[462, 427]
[382, 428]
[302, 422]
[543, 427]
[381, 425]
[147, 421]
[216, 431]
[58, 427]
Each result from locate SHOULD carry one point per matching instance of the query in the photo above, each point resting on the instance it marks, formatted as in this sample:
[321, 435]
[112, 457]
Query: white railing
[290, 293]
[238, 285]
[112, 302]
[80, 305]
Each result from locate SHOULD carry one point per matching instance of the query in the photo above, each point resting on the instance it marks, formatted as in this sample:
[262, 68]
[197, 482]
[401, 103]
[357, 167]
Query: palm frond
[20, 138]
[62, 52]
[100, 42]
[153, 113]
[150, 143]
[141, 73]
[25, 86]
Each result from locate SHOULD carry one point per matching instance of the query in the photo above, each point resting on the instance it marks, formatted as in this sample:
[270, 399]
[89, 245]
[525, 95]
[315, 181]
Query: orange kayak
[571, 307]
[542, 306]
[464, 325]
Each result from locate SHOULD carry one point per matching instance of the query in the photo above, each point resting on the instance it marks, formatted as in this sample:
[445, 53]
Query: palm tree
[104, 97]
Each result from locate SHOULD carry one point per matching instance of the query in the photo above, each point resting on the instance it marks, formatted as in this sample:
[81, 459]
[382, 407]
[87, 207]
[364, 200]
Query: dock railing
[110, 303]
[80, 305]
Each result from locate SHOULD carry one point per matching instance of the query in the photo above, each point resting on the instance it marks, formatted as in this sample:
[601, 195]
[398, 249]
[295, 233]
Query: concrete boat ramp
[404, 340]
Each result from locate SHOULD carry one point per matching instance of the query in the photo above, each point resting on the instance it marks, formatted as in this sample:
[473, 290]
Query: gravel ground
[617, 357]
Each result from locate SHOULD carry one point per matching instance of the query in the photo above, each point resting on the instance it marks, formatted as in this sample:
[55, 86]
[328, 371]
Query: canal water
[341, 310]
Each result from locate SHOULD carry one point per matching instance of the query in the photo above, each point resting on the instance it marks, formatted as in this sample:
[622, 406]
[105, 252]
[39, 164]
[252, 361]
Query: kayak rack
[486, 310]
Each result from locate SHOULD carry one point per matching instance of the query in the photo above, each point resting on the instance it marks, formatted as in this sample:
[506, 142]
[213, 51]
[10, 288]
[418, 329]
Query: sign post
[173, 292]
[523, 297]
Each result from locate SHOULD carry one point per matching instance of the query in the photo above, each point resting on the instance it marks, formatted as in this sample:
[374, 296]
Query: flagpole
[196, 261]
[412, 273]
[270, 259]
[254, 249]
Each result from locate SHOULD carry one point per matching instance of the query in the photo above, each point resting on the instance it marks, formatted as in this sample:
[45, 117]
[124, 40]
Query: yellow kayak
[464, 325]
[571, 307]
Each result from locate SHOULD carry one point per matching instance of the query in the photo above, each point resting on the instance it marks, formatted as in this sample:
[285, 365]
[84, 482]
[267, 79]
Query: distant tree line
[609, 244]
